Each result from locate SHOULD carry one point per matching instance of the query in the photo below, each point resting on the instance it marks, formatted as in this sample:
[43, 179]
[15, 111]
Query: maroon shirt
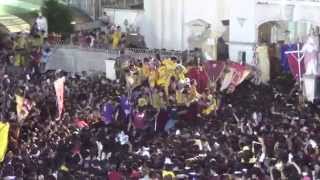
[114, 175]
[139, 120]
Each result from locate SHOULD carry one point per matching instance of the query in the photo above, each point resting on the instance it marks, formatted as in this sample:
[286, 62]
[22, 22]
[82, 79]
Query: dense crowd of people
[29, 52]
[110, 37]
[154, 122]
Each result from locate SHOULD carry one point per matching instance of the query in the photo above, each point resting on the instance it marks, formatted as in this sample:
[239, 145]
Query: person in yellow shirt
[146, 68]
[212, 107]
[116, 38]
[153, 77]
[166, 72]
[21, 42]
[139, 73]
[162, 76]
[20, 48]
[157, 99]
[36, 41]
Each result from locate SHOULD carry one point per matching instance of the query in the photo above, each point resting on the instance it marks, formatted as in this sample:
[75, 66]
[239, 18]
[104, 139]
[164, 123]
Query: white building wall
[174, 15]
[151, 27]
[242, 29]
[118, 16]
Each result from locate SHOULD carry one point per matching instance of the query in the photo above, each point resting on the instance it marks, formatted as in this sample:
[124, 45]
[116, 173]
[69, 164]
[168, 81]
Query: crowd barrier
[132, 52]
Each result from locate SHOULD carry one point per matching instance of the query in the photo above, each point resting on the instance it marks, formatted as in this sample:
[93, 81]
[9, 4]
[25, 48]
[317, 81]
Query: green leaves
[59, 17]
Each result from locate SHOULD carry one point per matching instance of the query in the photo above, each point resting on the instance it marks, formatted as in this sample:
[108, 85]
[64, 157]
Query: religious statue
[199, 33]
[263, 62]
[204, 37]
[310, 51]
[42, 24]
[210, 46]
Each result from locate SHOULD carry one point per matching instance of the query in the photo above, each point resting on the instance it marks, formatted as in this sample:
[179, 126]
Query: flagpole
[299, 66]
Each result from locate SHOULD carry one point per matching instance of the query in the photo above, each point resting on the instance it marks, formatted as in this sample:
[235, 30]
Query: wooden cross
[299, 59]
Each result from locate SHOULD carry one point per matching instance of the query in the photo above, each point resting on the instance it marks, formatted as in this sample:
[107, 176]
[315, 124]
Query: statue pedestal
[236, 47]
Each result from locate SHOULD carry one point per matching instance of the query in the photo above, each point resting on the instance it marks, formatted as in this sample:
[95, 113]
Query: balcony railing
[123, 4]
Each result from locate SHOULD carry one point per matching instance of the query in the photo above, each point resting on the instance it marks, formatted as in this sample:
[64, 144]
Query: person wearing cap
[19, 47]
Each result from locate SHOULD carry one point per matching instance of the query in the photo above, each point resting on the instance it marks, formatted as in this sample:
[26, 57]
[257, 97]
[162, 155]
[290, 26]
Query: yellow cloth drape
[4, 136]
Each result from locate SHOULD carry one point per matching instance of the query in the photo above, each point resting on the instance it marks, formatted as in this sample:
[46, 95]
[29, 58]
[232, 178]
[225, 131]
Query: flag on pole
[23, 107]
[59, 87]
[4, 136]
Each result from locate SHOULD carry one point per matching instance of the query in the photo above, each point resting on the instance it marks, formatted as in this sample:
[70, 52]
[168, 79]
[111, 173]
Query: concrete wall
[78, 60]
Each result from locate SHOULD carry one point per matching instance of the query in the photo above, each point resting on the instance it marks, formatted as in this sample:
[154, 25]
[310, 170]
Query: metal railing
[134, 53]
[148, 53]
[122, 4]
[88, 26]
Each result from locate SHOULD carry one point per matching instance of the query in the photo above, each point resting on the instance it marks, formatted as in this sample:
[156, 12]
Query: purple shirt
[125, 105]
[107, 113]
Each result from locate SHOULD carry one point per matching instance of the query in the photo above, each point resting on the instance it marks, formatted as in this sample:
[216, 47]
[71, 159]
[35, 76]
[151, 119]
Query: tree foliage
[58, 15]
